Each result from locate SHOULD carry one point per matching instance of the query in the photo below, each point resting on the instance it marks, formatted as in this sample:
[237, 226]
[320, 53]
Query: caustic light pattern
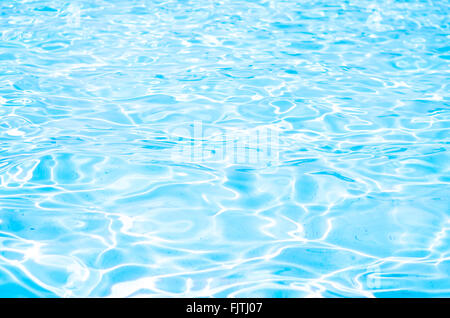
[230, 148]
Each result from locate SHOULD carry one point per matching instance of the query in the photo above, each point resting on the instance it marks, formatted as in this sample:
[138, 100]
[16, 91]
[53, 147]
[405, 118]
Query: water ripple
[107, 190]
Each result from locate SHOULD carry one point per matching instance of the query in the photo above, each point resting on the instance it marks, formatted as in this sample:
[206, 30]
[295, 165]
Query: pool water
[153, 148]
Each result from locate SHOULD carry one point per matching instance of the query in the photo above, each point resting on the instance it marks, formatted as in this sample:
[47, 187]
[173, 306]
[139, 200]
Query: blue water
[116, 179]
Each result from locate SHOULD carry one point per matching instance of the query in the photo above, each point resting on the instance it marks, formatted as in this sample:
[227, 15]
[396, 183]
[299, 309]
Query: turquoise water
[119, 176]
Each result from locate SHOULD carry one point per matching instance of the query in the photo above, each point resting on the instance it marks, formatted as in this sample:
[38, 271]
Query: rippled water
[98, 96]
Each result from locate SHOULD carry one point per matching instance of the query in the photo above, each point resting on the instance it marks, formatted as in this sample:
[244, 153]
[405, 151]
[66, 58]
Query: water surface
[97, 96]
